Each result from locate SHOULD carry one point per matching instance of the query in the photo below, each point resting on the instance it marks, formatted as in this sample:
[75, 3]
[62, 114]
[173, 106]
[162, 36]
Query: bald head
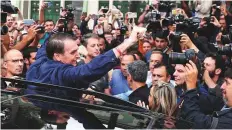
[9, 54]
[13, 62]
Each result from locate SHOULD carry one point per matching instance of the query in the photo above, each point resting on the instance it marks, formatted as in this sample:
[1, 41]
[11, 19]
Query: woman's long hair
[164, 97]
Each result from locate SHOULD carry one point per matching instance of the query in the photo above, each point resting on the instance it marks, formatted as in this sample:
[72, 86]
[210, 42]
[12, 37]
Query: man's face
[227, 91]
[49, 25]
[160, 74]
[126, 59]
[209, 64]
[146, 47]
[93, 47]
[70, 54]
[14, 64]
[102, 45]
[154, 59]
[223, 23]
[179, 74]
[32, 57]
[9, 21]
[160, 43]
[108, 38]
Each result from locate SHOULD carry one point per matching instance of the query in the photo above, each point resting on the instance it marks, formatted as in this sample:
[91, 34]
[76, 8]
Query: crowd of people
[165, 62]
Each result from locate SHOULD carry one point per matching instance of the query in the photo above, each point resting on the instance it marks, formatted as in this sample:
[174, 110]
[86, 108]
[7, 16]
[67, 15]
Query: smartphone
[41, 29]
[132, 15]
[61, 20]
[28, 22]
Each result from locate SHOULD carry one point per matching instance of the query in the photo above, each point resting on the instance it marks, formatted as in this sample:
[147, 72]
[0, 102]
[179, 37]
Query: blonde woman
[162, 98]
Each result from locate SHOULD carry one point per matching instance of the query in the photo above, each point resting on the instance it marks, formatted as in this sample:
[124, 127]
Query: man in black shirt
[137, 75]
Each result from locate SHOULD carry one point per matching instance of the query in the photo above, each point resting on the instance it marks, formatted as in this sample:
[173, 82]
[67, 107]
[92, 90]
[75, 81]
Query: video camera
[225, 50]
[165, 6]
[154, 16]
[182, 58]
[227, 37]
[69, 16]
[181, 28]
[6, 6]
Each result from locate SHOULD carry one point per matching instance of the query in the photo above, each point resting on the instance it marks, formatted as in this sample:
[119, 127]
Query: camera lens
[177, 58]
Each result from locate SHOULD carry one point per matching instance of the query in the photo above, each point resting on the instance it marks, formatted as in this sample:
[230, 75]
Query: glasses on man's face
[16, 60]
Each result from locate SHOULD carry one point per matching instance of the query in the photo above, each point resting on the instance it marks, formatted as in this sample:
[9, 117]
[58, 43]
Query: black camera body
[182, 58]
[6, 6]
[123, 30]
[165, 6]
[154, 16]
[179, 18]
[192, 24]
[227, 38]
[69, 15]
[225, 50]
[41, 29]
[208, 21]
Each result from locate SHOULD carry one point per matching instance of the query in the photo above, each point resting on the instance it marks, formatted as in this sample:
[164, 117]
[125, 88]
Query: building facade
[30, 8]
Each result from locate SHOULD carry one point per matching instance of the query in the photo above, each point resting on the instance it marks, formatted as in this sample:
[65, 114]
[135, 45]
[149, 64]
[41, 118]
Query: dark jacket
[190, 111]
[141, 94]
[53, 72]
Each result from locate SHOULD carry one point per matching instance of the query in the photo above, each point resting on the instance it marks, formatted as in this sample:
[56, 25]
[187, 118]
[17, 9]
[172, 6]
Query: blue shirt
[44, 70]
[118, 83]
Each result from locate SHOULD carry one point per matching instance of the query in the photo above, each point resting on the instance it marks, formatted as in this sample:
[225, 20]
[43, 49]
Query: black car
[36, 111]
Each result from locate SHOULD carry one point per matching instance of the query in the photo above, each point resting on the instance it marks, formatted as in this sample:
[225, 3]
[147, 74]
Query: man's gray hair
[138, 71]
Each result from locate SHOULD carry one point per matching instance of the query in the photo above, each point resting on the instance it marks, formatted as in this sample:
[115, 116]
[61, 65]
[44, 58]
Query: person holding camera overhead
[190, 109]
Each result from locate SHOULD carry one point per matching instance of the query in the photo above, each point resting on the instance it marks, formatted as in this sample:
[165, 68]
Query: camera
[225, 50]
[208, 20]
[4, 28]
[6, 6]
[123, 30]
[154, 16]
[182, 58]
[181, 28]
[69, 12]
[41, 29]
[227, 38]
[192, 24]
[179, 18]
[165, 6]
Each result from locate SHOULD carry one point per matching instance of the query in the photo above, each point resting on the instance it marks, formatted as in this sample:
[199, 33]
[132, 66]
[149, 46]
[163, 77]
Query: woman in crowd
[162, 99]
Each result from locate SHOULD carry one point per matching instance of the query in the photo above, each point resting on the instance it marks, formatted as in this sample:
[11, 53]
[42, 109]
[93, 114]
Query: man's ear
[169, 77]
[57, 57]
[4, 64]
[129, 78]
[218, 71]
[26, 61]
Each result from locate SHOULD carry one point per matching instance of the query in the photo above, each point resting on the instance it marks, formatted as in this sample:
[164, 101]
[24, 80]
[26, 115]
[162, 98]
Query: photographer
[190, 108]
[84, 22]
[143, 18]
